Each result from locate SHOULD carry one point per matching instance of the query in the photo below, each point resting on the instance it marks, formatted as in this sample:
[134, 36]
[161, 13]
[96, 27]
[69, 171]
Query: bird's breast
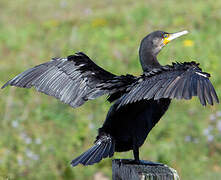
[134, 120]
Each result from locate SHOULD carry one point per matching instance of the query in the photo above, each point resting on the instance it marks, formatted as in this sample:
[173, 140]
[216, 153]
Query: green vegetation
[39, 136]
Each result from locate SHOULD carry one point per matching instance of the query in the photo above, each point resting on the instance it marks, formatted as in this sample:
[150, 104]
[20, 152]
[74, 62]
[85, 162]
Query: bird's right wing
[180, 81]
[73, 80]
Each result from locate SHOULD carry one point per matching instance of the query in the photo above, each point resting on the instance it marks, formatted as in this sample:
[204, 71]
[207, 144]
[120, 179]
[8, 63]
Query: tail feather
[87, 155]
[107, 150]
[84, 157]
[112, 149]
[95, 156]
[102, 148]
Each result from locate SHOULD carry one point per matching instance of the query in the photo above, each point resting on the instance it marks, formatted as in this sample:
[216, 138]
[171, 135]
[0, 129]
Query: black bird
[139, 102]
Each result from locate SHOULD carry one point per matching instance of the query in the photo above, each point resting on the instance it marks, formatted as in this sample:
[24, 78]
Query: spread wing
[73, 80]
[180, 81]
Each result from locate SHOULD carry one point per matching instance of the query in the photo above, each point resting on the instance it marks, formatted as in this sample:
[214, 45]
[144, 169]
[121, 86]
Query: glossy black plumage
[139, 102]
[175, 81]
[102, 148]
[73, 80]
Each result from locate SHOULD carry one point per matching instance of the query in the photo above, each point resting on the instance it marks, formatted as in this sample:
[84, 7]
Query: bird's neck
[148, 60]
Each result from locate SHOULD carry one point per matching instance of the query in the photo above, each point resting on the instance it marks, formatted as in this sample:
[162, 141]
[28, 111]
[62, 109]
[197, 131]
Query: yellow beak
[174, 36]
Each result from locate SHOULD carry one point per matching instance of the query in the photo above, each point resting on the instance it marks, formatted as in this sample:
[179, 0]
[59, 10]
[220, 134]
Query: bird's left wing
[73, 80]
[179, 80]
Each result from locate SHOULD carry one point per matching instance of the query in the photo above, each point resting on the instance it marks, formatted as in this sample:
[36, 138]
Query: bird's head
[152, 44]
[156, 40]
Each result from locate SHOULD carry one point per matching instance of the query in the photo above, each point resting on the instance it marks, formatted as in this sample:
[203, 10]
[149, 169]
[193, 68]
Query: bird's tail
[103, 147]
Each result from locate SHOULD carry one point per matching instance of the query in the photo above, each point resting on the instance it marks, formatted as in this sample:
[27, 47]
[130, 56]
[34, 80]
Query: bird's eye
[165, 35]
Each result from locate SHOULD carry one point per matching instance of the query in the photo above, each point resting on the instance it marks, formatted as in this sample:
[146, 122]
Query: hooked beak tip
[178, 34]
[175, 35]
[185, 32]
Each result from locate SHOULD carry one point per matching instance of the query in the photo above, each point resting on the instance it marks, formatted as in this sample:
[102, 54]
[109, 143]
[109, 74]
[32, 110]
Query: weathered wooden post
[125, 171]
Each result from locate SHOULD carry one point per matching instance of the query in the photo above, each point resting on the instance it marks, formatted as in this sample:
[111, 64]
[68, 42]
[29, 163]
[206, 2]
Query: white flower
[188, 138]
[35, 157]
[218, 125]
[20, 162]
[210, 138]
[91, 126]
[206, 131]
[28, 140]
[210, 128]
[218, 113]
[37, 141]
[29, 153]
[15, 124]
[212, 117]
[23, 135]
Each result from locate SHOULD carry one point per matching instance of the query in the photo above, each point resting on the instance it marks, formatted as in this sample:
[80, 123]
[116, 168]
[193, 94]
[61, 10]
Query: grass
[39, 135]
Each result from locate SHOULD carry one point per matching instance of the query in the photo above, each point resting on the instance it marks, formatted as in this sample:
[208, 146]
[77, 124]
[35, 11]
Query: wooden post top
[122, 169]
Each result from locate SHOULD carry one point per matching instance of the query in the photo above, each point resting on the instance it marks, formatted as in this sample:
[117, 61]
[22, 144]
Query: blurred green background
[39, 136]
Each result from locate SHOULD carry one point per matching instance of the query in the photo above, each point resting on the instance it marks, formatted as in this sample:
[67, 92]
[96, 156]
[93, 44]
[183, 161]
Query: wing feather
[178, 89]
[213, 92]
[171, 87]
[161, 92]
[152, 91]
[73, 80]
[187, 92]
[200, 90]
[207, 93]
[180, 81]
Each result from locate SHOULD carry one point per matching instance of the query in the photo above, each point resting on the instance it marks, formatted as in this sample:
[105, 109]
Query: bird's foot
[140, 162]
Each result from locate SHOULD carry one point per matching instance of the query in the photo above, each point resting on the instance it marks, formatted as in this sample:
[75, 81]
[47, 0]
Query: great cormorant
[139, 102]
